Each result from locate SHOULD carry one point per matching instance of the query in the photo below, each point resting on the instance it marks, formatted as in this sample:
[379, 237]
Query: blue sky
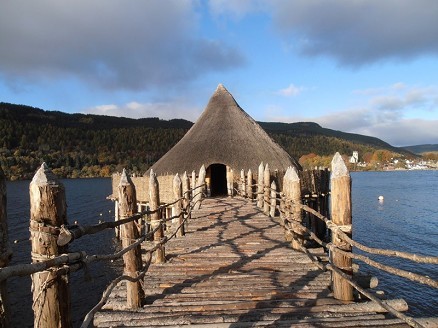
[368, 67]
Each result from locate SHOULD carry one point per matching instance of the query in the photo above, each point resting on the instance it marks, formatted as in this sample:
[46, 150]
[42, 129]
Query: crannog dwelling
[225, 139]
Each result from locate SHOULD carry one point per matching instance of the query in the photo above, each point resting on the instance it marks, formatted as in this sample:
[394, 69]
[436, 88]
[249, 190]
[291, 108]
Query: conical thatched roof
[224, 134]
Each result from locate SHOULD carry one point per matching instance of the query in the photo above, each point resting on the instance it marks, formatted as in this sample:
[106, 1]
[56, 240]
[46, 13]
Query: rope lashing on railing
[69, 233]
[404, 255]
[324, 267]
[80, 258]
[90, 315]
[399, 272]
[298, 226]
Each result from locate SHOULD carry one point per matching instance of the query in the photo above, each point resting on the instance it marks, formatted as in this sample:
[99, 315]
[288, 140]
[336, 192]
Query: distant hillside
[79, 145]
[420, 149]
[306, 137]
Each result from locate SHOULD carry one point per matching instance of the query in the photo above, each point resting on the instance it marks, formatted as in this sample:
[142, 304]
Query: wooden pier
[233, 268]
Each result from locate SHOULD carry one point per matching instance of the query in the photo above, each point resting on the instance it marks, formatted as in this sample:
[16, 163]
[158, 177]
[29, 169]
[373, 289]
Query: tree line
[79, 145]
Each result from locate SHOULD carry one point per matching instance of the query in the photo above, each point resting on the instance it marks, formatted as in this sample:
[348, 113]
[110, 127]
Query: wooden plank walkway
[234, 269]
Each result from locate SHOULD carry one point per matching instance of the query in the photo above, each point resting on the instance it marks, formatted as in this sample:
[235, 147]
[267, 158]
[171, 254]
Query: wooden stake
[187, 195]
[249, 184]
[199, 191]
[341, 215]
[154, 203]
[260, 186]
[116, 217]
[295, 197]
[48, 212]
[273, 199]
[5, 251]
[128, 235]
[230, 181]
[242, 183]
[177, 207]
[266, 191]
[193, 182]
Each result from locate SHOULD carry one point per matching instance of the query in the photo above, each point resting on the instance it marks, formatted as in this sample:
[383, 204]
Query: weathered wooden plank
[234, 269]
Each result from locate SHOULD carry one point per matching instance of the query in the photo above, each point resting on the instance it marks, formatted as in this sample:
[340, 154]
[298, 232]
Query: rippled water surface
[87, 204]
[406, 220]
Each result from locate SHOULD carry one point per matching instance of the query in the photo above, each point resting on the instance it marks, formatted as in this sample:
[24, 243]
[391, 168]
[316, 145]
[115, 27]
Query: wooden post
[177, 207]
[187, 195]
[193, 183]
[242, 183]
[266, 190]
[116, 217]
[285, 210]
[260, 186]
[154, 203]
[341, 215]
[230, 181]
[249, 184]
[199, 190]
[273, 199]
[128, 234]
[295, 197]
[5, 251]
[48, 212]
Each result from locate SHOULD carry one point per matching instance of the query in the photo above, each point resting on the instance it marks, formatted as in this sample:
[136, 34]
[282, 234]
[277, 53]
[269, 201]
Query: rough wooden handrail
[399, 272]
[377, 251]
[384, 304]
[90, 315]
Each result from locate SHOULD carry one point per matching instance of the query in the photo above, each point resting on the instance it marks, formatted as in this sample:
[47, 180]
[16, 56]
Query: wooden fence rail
[293, 208]
[305, 218]
[51, 234]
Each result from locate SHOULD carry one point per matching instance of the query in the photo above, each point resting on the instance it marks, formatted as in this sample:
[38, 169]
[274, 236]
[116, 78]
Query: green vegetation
[78, 145]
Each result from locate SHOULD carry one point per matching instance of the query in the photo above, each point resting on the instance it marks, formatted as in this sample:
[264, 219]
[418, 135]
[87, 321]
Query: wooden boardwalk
[234, 269]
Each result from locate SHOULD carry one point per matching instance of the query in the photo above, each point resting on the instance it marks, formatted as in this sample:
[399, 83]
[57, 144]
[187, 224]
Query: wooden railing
[291, 207]
[305, 219]
[51, 234]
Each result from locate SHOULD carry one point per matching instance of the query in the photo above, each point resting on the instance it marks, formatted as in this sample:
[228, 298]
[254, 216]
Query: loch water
[406, 220]
[87, 204]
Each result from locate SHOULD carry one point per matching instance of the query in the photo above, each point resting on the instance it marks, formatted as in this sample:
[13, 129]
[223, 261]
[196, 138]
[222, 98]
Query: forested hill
[79, 145]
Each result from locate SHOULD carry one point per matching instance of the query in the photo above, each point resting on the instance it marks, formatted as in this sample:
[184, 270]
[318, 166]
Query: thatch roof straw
[225, 134]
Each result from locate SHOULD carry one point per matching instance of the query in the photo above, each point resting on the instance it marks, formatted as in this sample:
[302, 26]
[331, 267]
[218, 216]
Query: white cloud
[163, 110]
[235, 8]
[402, 97]
[393, 129]
[392, 113]
[291, 90]
[354, 33]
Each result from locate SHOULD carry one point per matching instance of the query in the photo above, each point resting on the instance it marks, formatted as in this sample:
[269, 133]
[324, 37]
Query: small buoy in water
[100, 214]
[381, 198]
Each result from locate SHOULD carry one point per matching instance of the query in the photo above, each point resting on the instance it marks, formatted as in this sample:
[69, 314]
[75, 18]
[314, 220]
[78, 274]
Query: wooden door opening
[218, 179]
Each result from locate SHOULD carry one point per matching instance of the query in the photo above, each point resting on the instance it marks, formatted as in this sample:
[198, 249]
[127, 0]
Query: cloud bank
[354, 33]
[390, 113]
[112, 44]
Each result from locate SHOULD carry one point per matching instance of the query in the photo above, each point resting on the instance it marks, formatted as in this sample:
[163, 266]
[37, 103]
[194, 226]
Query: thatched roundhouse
[224, 138]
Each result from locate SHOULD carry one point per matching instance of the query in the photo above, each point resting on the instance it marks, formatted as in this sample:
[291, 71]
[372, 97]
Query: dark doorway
[218, 175]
